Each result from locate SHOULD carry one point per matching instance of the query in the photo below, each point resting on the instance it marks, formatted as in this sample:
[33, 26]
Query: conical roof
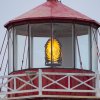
[52, 10]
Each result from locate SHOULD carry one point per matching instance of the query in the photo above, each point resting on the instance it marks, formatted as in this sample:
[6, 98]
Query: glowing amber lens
[55, 50]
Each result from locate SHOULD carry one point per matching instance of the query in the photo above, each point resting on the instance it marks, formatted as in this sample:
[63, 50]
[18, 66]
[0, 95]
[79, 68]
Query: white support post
[40, 81]
[69, 82]
[97, 85]
[14, 83]
[30, 47]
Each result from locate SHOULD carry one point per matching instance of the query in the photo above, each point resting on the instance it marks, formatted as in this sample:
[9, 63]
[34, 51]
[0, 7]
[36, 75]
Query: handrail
[40, 88]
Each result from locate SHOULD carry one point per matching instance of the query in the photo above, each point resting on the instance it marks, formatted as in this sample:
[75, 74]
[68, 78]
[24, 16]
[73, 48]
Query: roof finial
[52, 0]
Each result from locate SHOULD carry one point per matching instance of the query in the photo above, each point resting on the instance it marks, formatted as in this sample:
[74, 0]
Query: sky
[9, 9]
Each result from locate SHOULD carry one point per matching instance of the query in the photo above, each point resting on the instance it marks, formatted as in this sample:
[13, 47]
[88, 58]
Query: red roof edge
[55, 20]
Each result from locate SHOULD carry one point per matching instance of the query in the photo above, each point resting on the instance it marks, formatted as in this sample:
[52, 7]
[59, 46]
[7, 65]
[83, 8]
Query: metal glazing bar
[73, 45]
[52, 44]
[29, 47]
[90, 48]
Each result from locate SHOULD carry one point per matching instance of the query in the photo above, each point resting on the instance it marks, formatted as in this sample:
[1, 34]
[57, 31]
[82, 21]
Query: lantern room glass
[22, 35]
[40, 33]
[82, 38]
[64, 33]
[28, 46]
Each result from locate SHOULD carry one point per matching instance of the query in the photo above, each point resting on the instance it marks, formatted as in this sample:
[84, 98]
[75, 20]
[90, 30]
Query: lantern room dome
[52, 10]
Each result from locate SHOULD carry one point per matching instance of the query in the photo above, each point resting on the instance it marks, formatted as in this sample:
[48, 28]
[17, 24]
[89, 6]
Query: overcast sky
[10, 9]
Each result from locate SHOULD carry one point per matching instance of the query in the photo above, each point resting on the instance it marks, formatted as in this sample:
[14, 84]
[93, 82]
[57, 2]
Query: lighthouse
[52, 54]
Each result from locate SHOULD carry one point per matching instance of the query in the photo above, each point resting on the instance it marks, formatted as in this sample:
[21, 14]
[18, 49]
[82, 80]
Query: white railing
[38, 83]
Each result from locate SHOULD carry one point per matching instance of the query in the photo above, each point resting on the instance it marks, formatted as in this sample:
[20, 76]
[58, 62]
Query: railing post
[14, 83]
[97, 85]
[40, 81]
[69, 82]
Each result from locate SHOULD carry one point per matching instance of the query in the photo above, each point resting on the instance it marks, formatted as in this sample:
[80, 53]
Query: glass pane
[40, 34]
[82, 47]
[39, 52]
[22, 59]
[63, 33]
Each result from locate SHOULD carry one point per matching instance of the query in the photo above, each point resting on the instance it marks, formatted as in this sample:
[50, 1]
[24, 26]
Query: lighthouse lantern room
[52, 54]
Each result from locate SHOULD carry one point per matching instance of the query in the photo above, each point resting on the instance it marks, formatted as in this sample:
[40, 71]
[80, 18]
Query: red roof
[52, 9]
